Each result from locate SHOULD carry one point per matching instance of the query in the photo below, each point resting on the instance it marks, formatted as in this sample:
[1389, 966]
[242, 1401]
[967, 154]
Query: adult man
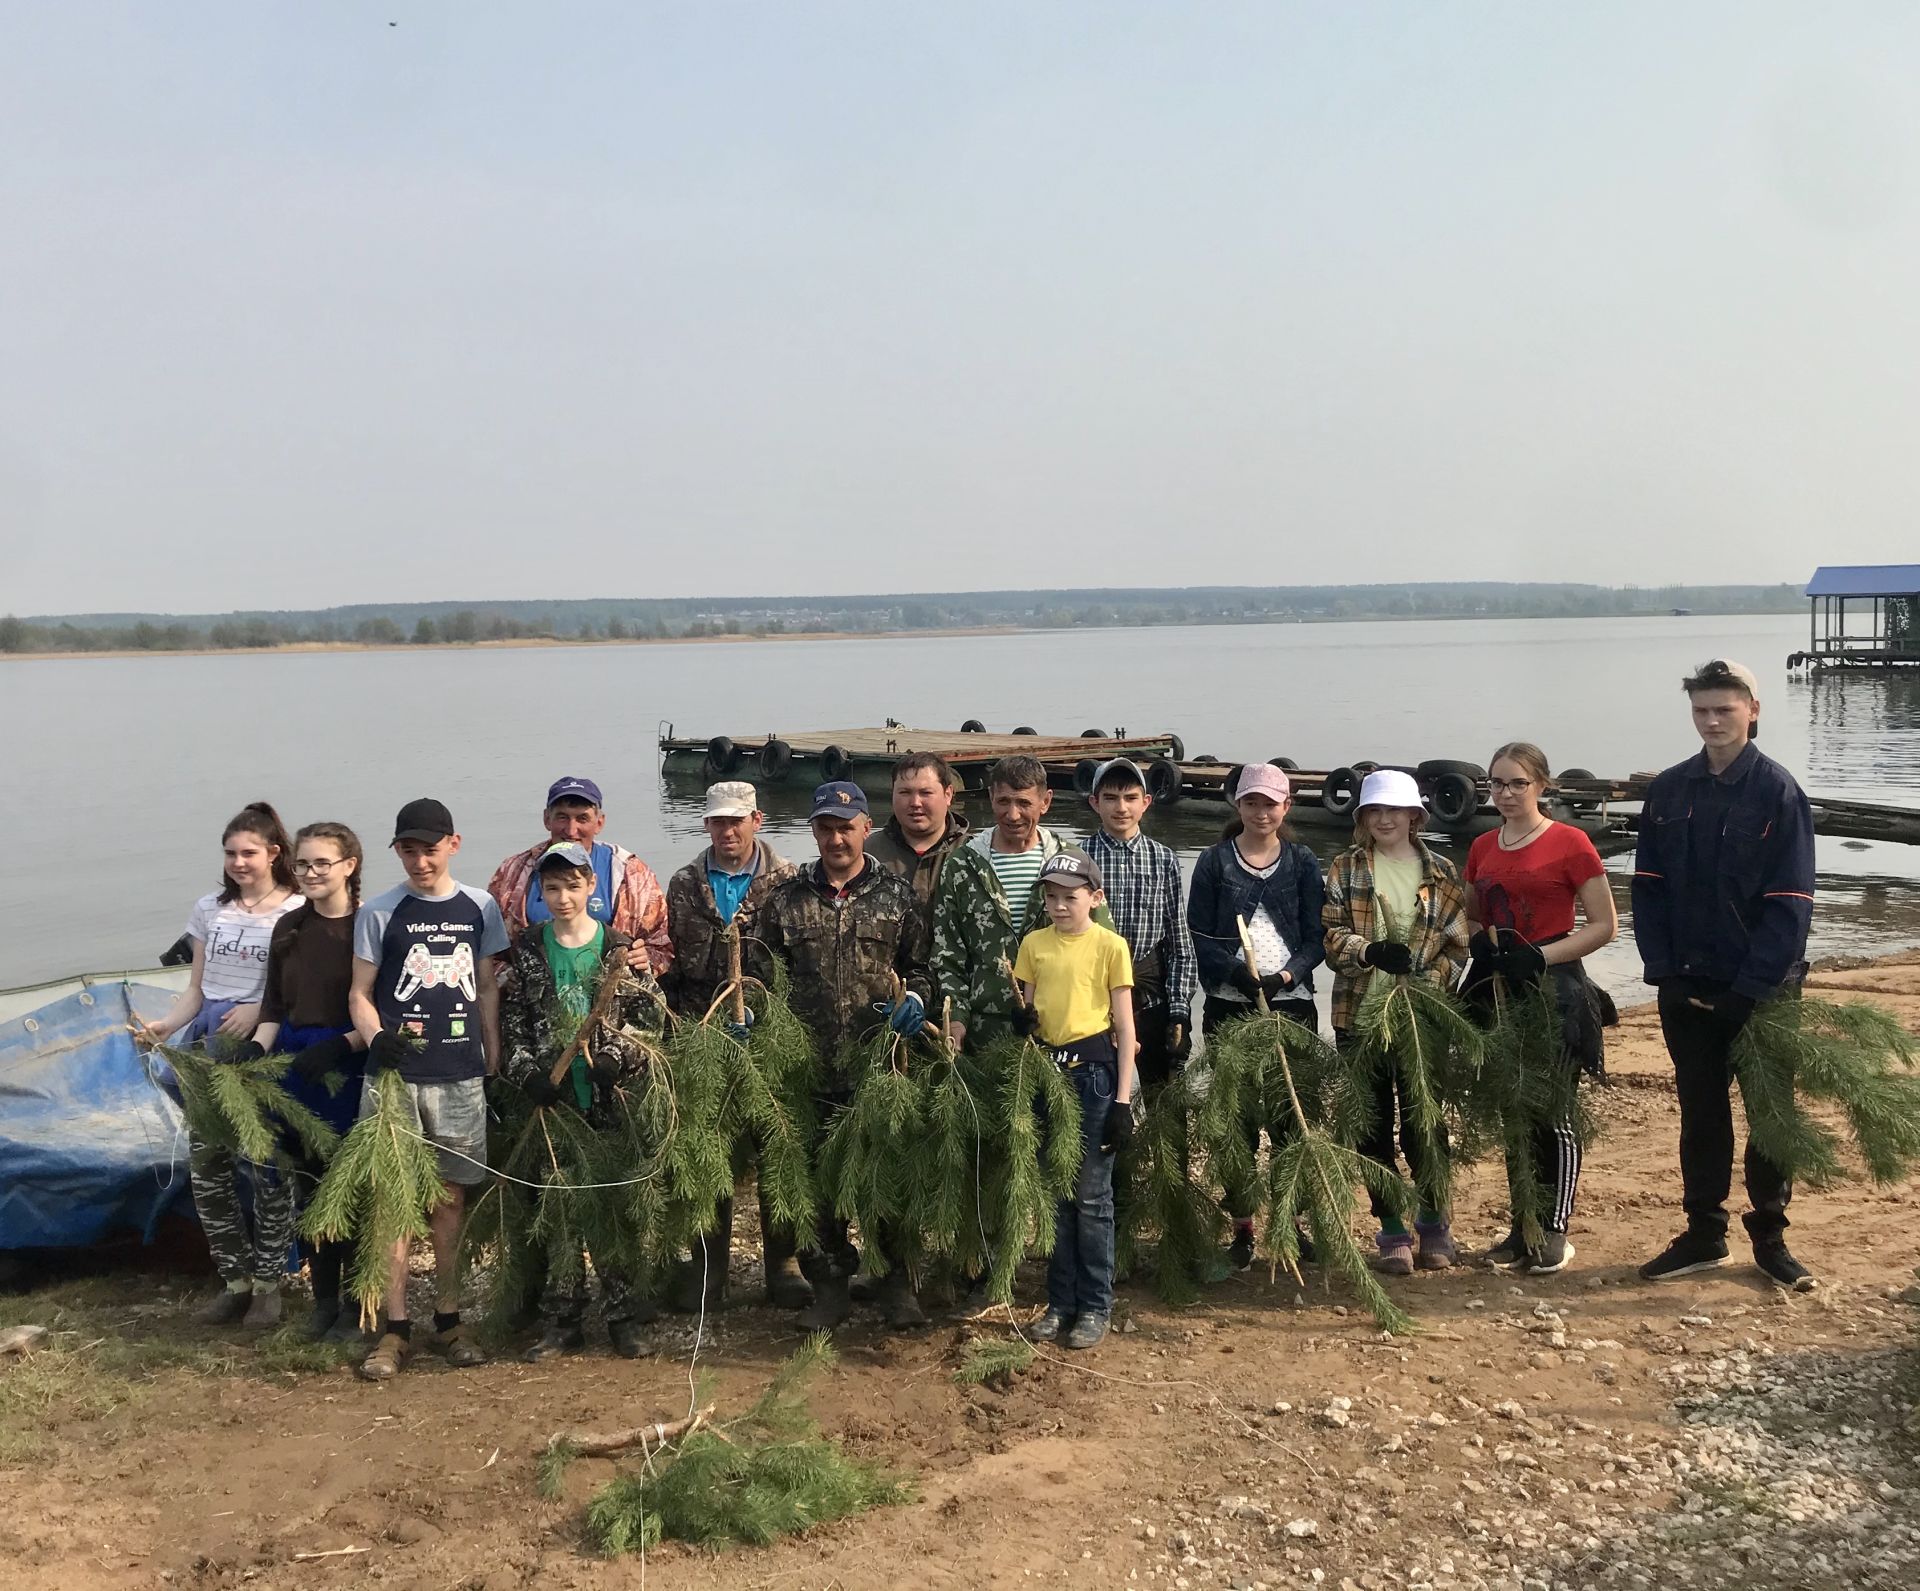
[924, 829]
[989, 896]
[846, 928]
[1722, 899]
[723, 891]
[626, 895]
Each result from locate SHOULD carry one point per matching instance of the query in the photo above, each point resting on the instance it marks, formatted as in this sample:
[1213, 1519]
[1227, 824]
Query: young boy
[1145, 893]
[554, 976]
[1076, 978]
[425, 1001]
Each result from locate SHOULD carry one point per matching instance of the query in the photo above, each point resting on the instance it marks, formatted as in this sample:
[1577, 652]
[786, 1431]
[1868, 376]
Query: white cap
[731, 798]
[1389, 787]
[1724, 673]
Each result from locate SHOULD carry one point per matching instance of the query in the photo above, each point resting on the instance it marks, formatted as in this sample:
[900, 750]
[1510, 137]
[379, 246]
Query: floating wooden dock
[1455, 791]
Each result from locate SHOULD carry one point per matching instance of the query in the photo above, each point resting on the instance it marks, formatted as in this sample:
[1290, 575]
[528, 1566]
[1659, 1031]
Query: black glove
[1026, 1020]
[1276, 986]
[388, 1052]
[1481, 946]
[329, 1055]
[250, 1051]
[606, 1069]
[1389, 955]
[1240, 975]
[1519, 962]
[1729, 1007]
[1117, 1132]
[541, 1089]
[1179, 1043]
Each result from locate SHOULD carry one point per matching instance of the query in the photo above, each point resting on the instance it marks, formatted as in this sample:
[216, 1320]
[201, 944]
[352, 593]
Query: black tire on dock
[1232, 781]
[836, 763]
[973, 726]
[1438, 766]
[1083, 772]
[1365, 767]
[1284, 764]
[1584, 775]
[1163, 780]
[1340, 791]
[723, 756]
[1026, 729]
[1455, 799]
[1094, 734]
[1207, 760]
[1176, 748]
[776, 757]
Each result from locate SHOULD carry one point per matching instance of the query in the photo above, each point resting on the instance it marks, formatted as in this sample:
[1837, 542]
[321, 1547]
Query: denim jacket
[1723, 876]
[1223, 890]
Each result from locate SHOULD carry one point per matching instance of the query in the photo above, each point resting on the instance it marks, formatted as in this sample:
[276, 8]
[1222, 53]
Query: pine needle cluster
[1428, 1040]
[243, 1107]
[1855, 1055]
[382, 1181]
[995, 1360]
[748, 1481]
[1163, 1196]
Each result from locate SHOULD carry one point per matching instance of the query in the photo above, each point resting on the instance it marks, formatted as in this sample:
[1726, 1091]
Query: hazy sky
[298, 307]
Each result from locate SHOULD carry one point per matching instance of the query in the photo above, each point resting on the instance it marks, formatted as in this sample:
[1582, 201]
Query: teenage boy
[1077, 981]
[558, 968]
[924, 829]
[1722, 900]
[425, 1001]
[626, 895]
[727, 887]
[989, 896]
[846, 928]
[1146, 896]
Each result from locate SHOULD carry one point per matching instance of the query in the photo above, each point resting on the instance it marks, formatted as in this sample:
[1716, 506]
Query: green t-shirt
[575, 972]
[1396, 896]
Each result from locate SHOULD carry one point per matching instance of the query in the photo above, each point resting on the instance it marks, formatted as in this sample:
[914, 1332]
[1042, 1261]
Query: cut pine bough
[1854, 1055]
[242, 1107]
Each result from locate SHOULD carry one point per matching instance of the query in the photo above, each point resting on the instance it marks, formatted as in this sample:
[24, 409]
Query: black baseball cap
[425, 820]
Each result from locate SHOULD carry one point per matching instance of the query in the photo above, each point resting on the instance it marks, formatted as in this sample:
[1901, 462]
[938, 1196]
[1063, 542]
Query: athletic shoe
[1395, 1256]
[1510, 1251]
[1691, 1251]
[1240, 1250]
[1774, 1259]
[1087, 1331]
[1048, 1327]
[1437, 1252]
[225, 1308]
[1551, 1256]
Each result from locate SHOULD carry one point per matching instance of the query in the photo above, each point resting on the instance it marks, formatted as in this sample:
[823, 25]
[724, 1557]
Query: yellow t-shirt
[1073, 978]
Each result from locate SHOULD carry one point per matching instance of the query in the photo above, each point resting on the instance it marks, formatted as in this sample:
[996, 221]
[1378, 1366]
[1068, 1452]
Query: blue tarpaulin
[88, 1146]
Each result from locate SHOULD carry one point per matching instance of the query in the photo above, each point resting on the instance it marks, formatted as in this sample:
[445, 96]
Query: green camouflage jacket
[841, 948]
[699, 967]
[529, 1009]
[973, 933]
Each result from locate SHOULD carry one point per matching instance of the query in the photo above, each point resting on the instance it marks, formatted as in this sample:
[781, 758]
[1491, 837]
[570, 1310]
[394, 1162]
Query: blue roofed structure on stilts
[1863, 616]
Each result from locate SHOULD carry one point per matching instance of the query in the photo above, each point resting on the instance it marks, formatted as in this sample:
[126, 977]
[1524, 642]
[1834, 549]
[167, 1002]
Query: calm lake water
[121, 772]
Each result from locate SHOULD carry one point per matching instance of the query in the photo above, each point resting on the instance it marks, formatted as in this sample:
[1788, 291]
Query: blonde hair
[1362, 835]
[1532, 760]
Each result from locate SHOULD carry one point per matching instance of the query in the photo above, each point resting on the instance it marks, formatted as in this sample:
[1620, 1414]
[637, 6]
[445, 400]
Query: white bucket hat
[1389, 787]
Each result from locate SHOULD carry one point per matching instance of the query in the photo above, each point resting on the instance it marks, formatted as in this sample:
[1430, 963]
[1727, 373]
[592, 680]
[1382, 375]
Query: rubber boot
[708, 1267]
[895, 1297]
[829, 1307]
[787, 1288]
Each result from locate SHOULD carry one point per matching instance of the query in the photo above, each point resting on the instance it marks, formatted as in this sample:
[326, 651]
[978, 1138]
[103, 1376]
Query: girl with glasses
[1537, 903]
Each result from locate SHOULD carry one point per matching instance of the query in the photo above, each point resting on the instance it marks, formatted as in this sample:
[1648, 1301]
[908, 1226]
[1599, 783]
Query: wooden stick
[1260, 996]
[599, 1443]
[602, 1004]
[336, 1552]
[1246, 949]
[1019, 999]
[733, 972]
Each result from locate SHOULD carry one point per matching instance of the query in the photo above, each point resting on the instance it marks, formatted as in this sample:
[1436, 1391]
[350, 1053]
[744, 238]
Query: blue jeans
[1080, 1272]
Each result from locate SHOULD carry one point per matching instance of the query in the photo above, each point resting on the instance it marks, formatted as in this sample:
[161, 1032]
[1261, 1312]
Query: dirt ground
[1537, 1432]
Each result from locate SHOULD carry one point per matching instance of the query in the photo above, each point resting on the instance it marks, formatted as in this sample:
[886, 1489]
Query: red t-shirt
[1531, 890]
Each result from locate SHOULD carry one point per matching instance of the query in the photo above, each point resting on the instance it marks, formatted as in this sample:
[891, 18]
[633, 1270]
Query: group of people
[1096, 952]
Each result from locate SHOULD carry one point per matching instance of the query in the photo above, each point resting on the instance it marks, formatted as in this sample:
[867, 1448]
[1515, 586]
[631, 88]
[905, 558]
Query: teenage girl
[1395, 907]
[1260, 873]
[219, 1010]
[1538, 902]
[303, 1013]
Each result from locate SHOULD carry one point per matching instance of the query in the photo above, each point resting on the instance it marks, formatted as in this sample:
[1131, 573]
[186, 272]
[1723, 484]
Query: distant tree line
[606, 619]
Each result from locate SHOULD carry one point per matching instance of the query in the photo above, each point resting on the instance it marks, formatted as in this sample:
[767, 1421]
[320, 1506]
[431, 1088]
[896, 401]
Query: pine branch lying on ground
[750, 1480]
[993, 1359]
[1854, 1054]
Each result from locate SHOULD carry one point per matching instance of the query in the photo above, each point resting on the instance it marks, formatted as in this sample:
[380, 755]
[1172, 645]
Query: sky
[311, 303]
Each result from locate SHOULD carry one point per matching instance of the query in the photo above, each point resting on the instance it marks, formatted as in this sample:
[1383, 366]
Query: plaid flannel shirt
[1438, 939]
[1145, 893]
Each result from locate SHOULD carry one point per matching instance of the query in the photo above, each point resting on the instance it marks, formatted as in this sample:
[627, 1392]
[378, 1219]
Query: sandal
[388, 1355]
[456, 1347]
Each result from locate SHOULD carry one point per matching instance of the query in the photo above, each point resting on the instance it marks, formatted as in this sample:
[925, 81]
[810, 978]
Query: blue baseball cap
[571, 787]
[840, 799]
[571, 853]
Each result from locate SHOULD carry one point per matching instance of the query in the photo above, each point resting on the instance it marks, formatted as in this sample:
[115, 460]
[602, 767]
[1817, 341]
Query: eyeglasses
[1508, 786]
[317, 867]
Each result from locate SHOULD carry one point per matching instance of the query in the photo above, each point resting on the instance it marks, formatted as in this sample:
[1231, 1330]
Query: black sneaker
[1691, 1251]
[1048, 1327]
[1550, 1257]
[1774, 1259]
[1510, 1251]
[1240, 1250]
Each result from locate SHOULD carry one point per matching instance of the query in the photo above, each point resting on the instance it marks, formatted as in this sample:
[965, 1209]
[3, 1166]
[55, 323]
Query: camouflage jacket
[841, 948]
[973, 934]
[922, 869]
[529, 1004]
[699, 967]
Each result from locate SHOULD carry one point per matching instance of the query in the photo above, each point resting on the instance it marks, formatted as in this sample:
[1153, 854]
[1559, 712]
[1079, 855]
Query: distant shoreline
[525, 642]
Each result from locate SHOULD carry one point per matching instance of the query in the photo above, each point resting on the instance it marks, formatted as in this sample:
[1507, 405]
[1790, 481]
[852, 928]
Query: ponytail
[260, 820]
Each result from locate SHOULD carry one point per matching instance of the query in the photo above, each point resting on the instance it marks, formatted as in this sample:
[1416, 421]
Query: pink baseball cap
[1262, 778]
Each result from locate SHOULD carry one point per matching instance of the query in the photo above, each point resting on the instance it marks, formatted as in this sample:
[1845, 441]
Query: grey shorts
[452, 1116]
